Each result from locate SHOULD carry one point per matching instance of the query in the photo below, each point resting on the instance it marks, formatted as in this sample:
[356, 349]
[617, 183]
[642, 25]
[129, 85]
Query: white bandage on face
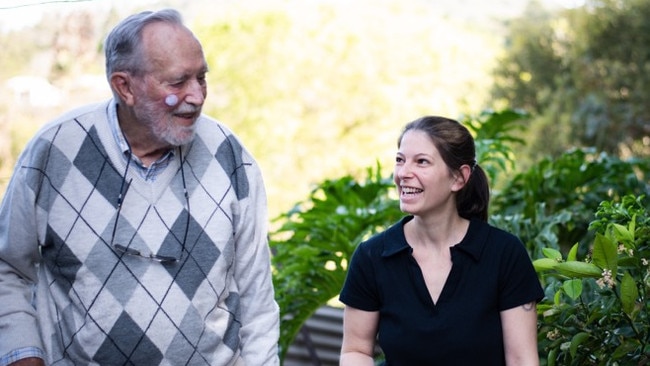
[171, 100]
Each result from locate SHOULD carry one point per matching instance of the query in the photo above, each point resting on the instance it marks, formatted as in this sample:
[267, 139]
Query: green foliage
[597, 310]
[536, 231]
[530, 66]
[563, 192]
[494, 134]
[611, 72]
[541, 206]
[316, 240]
[584, 72]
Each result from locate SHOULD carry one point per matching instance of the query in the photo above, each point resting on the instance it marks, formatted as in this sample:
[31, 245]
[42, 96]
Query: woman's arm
[359, 334]
[520, 335]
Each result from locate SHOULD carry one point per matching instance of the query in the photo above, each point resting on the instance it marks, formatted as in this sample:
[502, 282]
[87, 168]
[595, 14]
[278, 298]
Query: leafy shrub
[597, 312]
[312, 247]
[493, 135]
[572, 185]
[537, 231]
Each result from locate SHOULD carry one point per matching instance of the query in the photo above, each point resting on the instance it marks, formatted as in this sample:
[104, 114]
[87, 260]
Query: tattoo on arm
[528, 307]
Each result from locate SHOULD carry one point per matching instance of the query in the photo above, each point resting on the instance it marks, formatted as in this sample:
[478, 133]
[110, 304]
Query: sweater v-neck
[149, 190]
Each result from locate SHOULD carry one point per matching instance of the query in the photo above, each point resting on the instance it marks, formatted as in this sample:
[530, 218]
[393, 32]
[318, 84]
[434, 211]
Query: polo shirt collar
[475, 240]
[395, 239]
[472, 244]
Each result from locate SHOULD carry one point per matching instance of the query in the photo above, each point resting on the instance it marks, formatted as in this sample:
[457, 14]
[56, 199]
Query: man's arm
[19, 254]
[30, 361]
[260, 314]
[24, 357]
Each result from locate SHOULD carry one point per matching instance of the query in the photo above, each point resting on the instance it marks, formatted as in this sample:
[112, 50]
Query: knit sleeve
[18, 257]
[260, 313]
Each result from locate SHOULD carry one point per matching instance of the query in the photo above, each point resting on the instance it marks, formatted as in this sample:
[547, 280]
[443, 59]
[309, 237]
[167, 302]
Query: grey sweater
[66, 290]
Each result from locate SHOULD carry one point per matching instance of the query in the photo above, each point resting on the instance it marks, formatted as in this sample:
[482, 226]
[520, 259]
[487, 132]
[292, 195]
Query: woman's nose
[403, 170]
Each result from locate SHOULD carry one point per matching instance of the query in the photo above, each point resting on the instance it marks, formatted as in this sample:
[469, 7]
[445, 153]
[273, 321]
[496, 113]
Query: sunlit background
[316, 89]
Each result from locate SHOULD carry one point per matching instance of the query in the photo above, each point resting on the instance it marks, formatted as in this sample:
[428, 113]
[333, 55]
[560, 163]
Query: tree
[585, 73]
[612, 74]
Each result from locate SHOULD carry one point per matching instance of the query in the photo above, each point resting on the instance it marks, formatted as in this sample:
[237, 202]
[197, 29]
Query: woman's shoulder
[493, 232]
[387, 242]
[484, 235]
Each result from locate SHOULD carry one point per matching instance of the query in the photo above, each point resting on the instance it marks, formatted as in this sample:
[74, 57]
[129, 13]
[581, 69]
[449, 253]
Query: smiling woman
[437, 287]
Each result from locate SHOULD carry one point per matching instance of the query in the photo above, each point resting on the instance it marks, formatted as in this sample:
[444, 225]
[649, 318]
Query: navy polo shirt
[491, 272]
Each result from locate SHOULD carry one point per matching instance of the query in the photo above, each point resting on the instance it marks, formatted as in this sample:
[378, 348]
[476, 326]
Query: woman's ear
[121, 83]
[461, 177]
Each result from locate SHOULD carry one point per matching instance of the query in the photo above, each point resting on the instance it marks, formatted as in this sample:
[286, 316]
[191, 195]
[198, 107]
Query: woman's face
[424, 182]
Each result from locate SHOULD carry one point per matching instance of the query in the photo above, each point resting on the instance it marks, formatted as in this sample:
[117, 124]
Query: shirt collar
[472, 244]
[115, 127]
[395, 239]
[148, 173]
[118, 135]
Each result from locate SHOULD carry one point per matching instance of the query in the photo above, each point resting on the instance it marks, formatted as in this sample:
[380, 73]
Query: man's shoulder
[60, 129]
[214, 133]
[212, 126]
[88, 113]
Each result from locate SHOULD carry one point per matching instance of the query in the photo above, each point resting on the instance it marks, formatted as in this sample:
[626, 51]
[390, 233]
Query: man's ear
[461, 177]
[121, 83]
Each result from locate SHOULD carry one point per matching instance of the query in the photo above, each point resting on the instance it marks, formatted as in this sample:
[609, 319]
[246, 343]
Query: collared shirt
[491, 272]
[149, 173]
[19, 354]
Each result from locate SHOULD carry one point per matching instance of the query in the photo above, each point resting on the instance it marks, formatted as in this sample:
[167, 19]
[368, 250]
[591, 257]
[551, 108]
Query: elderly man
[134, 231]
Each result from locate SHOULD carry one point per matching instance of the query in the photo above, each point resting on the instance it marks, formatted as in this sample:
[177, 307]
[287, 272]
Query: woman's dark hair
[456, 147]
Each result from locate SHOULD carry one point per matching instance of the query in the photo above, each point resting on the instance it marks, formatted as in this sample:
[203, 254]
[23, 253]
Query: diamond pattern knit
[95, 305]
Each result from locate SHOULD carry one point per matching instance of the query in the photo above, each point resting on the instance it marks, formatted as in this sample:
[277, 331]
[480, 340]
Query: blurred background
[319, 89]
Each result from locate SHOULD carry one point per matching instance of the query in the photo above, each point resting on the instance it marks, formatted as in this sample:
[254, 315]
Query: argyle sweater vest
[97, 305]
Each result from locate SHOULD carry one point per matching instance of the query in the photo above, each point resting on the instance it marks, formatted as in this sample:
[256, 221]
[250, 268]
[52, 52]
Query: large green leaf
[573, 253]
[573, 288]
[629, 293]
[577, 339]
[605, 253]
[544, 264]
[552, 254]
[579, 269]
